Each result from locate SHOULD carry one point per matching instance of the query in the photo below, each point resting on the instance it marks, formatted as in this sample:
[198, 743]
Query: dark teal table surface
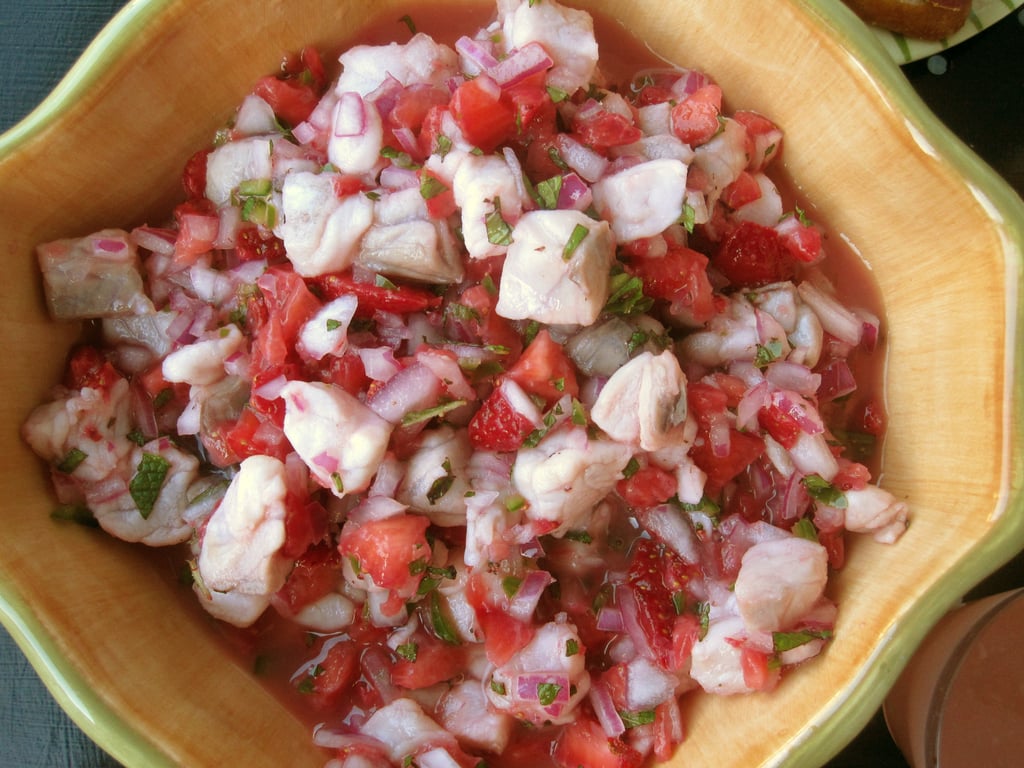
[979, 94]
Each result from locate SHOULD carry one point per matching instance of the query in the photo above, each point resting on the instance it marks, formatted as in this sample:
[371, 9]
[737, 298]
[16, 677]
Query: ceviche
[495, 404]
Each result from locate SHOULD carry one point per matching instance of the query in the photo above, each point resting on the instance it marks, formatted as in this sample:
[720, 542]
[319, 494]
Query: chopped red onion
[489, 87]
[376, 664]
[395, 177]
[753, 400]
[411, 389]
[385, 95]
[524, 602]
[436, 757]
[446, 367]
[389, 475]
[834, 317]
[155, 240]
[574, 194]
[529, 60]
[478, 52]
[609, 619]
[631, 621]
[869, 337]
[143, 411]
[324, 736]
[718, 434]
[512, 161]
[836, 381]
[189, 420]
[690, 81]
[527, 684]
[799, 409]
[376, 508]
[586, 162]
[350, 115]
[271, 390]
[668, 525]
[305, 132]
[604, 707]
[407, 139]
[379, 362]
[794, 498]
[793, 376]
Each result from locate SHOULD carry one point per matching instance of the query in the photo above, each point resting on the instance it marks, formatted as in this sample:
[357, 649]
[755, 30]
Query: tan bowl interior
[136, 652]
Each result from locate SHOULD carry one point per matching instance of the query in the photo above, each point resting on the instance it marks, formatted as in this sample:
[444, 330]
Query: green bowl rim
[825, 736]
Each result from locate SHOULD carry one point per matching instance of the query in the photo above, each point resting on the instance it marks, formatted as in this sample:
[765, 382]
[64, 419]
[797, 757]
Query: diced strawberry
[328, 682]
[782, 426]
[708, 403]
[193, 178]
[485, 119]
[503, 634]
[742, 191]
[89, 368]
[695, 119]
[400, 299]
[439, 197]
[669, 730]
[534, 109]
[427, 661]
[602, 130]
[253, 245]
[384, 549]
[753, 255]
[294, 94]
[544, 369]
[315, 574]
[658, 579]
[647, 487]
[757, 674]
[764, 138]
[497, 426]
[584, 742]
[679, 277]
[487, 326]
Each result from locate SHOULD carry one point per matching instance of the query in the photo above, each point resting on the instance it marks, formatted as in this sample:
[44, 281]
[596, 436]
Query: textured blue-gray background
[980, 95]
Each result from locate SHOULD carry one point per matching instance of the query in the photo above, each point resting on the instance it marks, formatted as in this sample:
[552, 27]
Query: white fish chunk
[644, 402]
[411, 250]
[338, 437]
[779, 582]
[237, 161]
[482, 184]
[556, 270]
[93, 276]
[566, 475]
[566, 34]
[876, 511]
[421, 60]
[321, 233]
[201, 363]
[240, 551]
[435, 477]
[642, 200]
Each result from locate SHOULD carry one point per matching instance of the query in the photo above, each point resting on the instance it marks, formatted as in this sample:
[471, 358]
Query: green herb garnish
[821, 490]
[71, 461]
[149, 477]
[498, 230]
[579, 234]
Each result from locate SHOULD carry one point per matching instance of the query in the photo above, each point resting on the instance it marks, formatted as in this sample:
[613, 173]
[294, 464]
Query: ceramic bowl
[129, 656]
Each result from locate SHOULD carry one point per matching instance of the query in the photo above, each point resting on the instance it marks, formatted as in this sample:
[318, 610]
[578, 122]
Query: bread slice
[924, 19]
